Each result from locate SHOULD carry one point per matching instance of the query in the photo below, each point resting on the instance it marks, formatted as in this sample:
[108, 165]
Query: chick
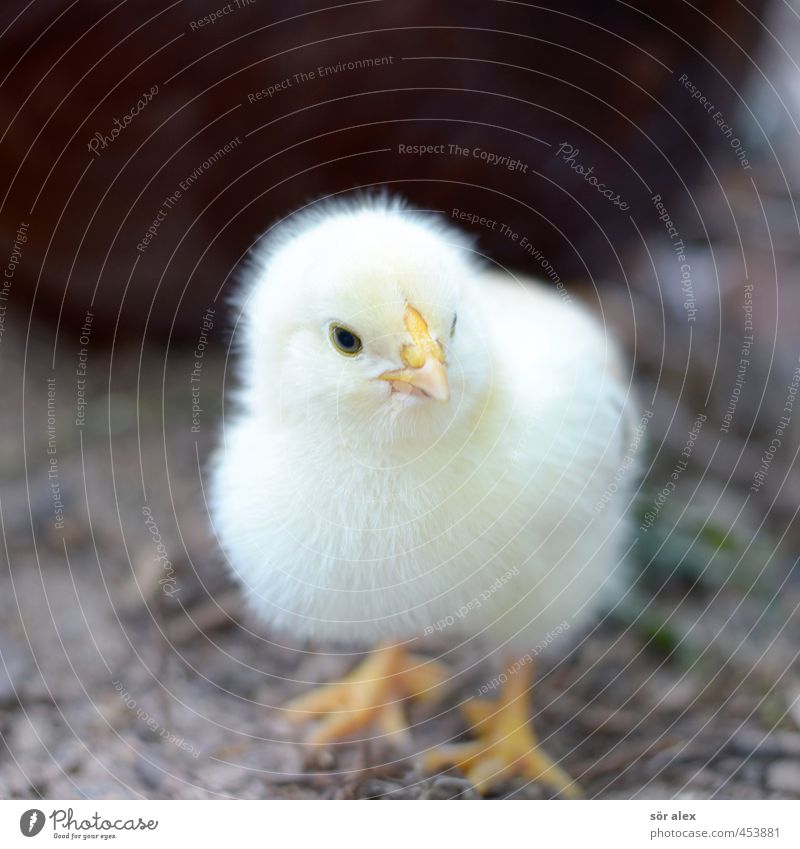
[410, 427]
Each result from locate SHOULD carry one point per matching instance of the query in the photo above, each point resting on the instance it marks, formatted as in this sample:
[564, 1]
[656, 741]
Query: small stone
[757, 743]
[784, 776]
[15, 670]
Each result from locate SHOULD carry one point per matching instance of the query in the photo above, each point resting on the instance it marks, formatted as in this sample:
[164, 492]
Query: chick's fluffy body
[355, 514]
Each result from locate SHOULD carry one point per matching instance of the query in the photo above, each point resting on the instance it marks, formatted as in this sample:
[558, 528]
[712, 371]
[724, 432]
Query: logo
[31, 822]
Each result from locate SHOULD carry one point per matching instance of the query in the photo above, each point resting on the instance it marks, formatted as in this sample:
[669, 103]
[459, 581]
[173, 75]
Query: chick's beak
[429, 379]
[425, 372]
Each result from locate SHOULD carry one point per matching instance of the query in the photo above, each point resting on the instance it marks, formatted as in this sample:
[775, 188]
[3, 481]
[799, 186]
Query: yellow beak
[429, 379]
[424, 359]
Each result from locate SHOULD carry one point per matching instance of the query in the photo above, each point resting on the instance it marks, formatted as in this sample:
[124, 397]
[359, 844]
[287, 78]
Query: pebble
[16, 667]
[784, 776]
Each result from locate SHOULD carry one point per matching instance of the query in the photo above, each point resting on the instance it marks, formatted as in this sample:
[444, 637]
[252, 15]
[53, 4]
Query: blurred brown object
[505, 78]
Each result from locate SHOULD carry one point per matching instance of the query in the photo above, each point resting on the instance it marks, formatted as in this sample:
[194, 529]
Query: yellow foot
[506, 744]
[371, 695]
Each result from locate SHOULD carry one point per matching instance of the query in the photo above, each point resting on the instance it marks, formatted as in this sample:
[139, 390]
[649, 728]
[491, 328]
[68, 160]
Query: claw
[506, 743]
[370, 695]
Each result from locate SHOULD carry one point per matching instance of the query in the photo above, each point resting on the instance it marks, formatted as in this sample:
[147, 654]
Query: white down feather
[353, 514]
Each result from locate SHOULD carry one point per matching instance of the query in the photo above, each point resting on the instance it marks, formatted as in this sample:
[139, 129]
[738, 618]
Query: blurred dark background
[510, 78]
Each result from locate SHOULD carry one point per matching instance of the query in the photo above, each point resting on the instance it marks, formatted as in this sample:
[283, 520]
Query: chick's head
[363, 318]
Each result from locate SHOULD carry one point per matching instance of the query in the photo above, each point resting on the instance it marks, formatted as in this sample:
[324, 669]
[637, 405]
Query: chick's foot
[370, 696]
[506, 745]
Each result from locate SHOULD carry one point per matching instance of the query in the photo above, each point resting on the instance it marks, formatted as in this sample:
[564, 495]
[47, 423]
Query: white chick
[411, 428]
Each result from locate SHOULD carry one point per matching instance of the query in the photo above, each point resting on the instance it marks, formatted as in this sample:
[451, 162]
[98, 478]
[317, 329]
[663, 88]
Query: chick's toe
[370, 696]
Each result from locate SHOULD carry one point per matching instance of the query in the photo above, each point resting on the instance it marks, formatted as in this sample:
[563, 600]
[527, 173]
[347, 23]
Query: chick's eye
[453, 326]
[344, 340]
